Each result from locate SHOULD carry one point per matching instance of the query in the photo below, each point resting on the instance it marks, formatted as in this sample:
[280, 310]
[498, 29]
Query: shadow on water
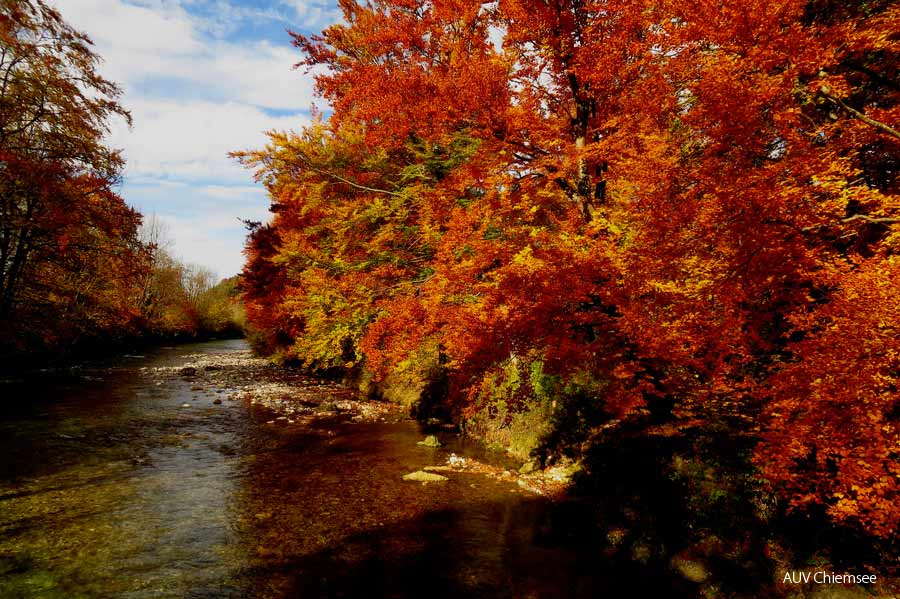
[687, 503]
[339, 523]
[691, 504]
[115, 489]
[529, 548]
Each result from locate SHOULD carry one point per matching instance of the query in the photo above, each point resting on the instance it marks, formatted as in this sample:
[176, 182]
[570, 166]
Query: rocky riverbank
[291, 395]
[297, 399]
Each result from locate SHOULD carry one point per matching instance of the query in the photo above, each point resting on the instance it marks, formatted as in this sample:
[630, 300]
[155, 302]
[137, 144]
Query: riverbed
[199, 471]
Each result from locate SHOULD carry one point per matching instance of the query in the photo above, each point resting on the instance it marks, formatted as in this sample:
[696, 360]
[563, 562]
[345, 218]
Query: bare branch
[308, 163]
[826, 92]
[885, 220]
[871, 219]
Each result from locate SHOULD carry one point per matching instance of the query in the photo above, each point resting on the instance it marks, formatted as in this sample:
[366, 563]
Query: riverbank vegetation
[77, 267]
[582, 227]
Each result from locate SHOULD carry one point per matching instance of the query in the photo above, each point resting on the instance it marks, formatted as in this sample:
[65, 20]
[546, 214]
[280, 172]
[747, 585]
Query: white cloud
[167, 48]
[190, 140]
[132, 28]
[314, 14]
[197, 245]
[205, 229]
[225, 18]
[261, 74]
[229, 193]
[198, 90]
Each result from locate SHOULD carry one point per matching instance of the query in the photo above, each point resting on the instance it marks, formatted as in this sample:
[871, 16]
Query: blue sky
[201, 78]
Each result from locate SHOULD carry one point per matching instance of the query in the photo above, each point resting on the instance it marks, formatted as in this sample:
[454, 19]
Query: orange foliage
[70, 259]
[697, 203]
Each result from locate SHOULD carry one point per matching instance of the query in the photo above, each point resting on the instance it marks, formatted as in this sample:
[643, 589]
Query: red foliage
[70, 258]
[696, 203]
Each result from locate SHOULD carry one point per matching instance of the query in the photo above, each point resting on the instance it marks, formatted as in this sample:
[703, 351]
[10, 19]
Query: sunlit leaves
[689, 202]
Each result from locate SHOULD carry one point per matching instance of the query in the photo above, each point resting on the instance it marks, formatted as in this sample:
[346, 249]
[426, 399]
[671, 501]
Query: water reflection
[112, 488]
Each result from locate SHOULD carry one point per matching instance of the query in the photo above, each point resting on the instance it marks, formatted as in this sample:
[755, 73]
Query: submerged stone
[424, 477]
[692, 570]
[430, 441]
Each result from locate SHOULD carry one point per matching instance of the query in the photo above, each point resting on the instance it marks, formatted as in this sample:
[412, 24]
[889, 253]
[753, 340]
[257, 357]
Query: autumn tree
[68, 243]
[677, 210]
[343, 256]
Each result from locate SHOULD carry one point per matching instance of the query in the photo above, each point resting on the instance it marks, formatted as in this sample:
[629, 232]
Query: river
[118, 481]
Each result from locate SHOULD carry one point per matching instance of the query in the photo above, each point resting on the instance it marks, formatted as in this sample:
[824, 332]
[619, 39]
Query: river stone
[217, 401]
[430, 441]
[424, 477]
[188, 371]
[641, 552]
[691, 569]
[530, 466]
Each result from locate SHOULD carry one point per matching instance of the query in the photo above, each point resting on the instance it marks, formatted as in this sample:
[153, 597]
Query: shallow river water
[111, 486]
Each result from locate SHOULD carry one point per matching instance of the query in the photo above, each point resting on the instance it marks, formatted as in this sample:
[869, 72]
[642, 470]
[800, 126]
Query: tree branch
[875, 220]
[826, 92]
[871, 219]
[308, 163]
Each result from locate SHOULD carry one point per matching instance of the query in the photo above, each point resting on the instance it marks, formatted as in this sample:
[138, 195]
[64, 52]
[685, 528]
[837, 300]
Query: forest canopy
[662, 213]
